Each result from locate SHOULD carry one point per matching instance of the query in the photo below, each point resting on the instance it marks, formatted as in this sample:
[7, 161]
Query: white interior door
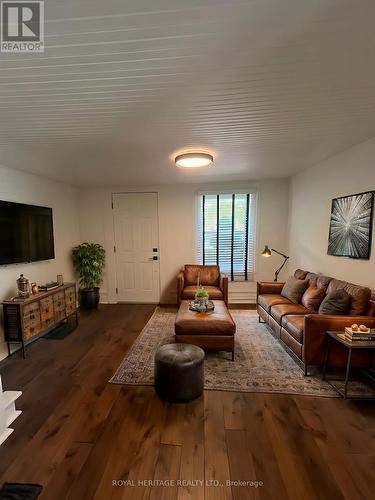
[137, 247]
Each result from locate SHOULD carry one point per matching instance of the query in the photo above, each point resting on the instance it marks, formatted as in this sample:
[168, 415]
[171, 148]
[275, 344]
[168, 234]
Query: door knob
[153, 258]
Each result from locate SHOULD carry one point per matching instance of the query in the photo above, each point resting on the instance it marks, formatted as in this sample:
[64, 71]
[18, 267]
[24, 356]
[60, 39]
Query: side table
[350, 345]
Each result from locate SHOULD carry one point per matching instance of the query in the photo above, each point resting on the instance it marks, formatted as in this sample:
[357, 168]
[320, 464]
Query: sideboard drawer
[59, 316]
[47, 321]
[59, 304]
[31, 322]
[31, 309]
[46, 308]
[70, 295]
[70, 301]
[70, 309]
[31, 317]
[32, 329]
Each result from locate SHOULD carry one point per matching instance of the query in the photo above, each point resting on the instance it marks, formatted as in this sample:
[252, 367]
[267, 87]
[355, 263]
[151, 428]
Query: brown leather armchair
[211, 279]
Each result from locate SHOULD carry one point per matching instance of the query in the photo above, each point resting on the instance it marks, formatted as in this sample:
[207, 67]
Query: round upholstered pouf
[179, 374]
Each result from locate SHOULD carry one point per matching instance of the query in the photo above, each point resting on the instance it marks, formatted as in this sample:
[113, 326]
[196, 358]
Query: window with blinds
[226, 233]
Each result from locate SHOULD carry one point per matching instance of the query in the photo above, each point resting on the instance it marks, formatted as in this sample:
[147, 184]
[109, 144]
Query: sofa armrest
[315, 330]
[269, 287]
[180, 285]
[224, 286]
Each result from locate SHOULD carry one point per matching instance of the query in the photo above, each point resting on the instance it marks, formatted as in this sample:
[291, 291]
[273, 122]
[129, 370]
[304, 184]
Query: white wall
[27, 188]
[301, 205]
[177, 231]
[350, 172]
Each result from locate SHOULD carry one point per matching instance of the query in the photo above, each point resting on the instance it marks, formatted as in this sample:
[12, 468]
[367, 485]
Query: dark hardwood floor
[78, 434]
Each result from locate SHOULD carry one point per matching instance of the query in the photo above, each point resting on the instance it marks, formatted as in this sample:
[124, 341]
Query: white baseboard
[242, 298]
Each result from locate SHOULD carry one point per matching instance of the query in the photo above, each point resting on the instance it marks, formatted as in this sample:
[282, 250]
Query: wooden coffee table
[212, 331]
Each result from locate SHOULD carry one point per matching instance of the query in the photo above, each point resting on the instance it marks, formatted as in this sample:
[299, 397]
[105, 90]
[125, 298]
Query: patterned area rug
[261, 364]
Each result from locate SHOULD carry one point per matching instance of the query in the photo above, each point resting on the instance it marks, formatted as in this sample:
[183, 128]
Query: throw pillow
[294, 289]
[300, 274]
[313, 297]
[337, 302]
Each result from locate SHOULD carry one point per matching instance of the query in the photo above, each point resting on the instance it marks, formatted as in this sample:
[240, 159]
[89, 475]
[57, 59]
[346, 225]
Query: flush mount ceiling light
[194, 160]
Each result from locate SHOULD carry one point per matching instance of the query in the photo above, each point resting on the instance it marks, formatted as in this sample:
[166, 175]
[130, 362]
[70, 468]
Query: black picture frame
[351, 237]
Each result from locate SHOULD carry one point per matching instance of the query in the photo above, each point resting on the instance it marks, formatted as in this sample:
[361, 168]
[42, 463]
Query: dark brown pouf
[179, 373]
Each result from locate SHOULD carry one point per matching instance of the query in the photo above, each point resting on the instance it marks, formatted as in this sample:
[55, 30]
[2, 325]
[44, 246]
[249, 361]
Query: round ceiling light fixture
[194, 160]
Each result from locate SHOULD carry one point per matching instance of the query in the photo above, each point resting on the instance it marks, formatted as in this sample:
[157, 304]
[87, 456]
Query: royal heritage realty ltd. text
[184, 483]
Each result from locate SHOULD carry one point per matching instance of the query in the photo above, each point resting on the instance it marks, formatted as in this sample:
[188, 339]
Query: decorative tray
[198, 307]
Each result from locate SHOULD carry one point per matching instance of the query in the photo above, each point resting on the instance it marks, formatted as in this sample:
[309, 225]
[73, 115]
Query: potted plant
[88, 262]
[201, 296]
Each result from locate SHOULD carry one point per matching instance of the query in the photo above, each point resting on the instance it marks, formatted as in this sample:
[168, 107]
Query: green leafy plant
[88, 262]
[201, 293]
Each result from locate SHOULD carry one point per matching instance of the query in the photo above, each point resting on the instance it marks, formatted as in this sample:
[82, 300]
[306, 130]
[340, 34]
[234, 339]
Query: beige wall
[26, 188]
[352, 171]
[177, 226]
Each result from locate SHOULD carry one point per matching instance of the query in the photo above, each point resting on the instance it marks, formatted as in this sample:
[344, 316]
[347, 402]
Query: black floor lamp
[267, 253]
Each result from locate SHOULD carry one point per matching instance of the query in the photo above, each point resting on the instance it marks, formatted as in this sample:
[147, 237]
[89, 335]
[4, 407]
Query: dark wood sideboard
[29, 319]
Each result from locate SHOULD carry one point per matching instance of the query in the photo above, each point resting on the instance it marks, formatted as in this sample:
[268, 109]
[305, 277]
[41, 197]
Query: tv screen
[26, 233]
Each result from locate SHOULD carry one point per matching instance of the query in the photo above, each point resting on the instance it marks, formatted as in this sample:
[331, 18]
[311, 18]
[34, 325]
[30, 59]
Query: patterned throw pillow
[294, 289]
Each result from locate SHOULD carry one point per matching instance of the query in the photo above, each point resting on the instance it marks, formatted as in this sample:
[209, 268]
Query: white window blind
[226, 233]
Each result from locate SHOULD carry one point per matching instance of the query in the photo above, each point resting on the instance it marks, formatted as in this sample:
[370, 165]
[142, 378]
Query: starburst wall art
[350, 230]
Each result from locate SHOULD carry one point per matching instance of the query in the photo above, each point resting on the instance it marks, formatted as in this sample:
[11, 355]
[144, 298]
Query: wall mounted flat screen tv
[26, 233]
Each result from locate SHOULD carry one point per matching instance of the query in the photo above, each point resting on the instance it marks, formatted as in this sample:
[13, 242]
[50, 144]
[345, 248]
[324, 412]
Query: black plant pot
[90, 298]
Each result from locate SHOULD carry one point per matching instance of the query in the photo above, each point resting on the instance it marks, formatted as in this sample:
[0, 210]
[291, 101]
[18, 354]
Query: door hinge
[116, 291]
[114, 248]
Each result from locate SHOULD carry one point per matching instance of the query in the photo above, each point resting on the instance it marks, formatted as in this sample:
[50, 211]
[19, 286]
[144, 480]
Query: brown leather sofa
[213, 281]
[303, 330]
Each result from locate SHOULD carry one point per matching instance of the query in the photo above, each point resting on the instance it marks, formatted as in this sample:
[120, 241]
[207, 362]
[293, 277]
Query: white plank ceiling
[269, 87]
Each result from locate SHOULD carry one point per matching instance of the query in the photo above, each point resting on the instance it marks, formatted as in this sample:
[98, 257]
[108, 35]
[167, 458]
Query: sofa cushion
[360, 295]
[312, 278]
[268, 300]
[214, 293]
[209, 275]
[280, 310]
[371, 307]
[318, 280]
[323, 281]
[294, 289]
[312, 298]
[293, 345]
[336, 302]
[294, 324]
[300, 274]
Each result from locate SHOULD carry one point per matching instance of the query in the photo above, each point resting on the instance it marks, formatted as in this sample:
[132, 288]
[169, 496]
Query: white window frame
[253, 215]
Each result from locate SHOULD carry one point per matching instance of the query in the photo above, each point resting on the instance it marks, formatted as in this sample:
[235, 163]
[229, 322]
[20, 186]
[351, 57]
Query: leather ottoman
[179, 374]
[212, 331]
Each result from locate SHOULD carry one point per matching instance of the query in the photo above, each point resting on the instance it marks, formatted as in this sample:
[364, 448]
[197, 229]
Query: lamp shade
[194, 160]
[266, 252]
